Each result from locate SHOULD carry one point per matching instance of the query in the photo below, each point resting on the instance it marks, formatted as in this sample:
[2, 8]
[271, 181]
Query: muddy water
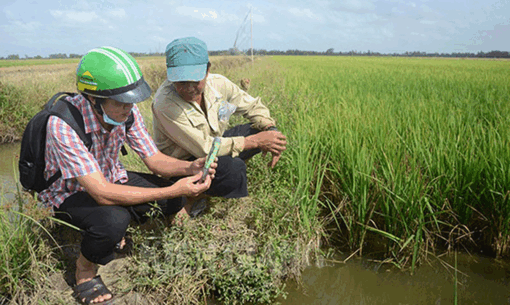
[8, 169]
[480, 280]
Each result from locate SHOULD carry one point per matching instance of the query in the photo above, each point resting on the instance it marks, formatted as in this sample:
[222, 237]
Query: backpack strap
[60, 107]
[130, 121]
[72, 116]
[56, 97]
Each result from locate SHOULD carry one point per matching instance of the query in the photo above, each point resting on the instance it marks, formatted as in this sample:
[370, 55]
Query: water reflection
[480, 281]
[8, 169]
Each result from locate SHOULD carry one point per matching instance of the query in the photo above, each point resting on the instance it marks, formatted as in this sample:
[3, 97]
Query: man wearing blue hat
[193, 106]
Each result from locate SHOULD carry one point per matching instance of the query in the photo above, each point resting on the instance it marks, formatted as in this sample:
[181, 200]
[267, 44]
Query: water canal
[478, 280]
[8, 170]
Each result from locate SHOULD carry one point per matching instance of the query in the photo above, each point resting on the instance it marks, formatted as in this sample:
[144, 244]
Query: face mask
[108, 120]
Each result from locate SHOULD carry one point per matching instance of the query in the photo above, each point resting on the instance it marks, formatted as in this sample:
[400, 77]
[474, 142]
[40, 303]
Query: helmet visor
[130, 94]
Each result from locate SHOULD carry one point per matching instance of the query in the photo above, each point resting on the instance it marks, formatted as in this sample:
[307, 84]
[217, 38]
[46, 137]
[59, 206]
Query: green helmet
[108, 72]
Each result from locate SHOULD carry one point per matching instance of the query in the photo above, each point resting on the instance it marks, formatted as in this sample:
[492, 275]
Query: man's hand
[268, 141]
[191, 186]
[197, 166]
[275, 158]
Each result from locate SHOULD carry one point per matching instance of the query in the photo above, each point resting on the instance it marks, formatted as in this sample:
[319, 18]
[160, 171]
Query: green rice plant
[414, 146]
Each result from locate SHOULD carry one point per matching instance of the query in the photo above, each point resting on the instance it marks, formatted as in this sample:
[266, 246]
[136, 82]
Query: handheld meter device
[210, 157]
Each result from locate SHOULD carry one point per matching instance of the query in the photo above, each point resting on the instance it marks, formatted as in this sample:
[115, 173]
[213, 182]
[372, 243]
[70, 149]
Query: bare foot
[86, 271]
[183, 215]
[180, 218]
[122, 243]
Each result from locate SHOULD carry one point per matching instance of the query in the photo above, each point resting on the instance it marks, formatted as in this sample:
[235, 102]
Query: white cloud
[426, 9]
[118, 13]
[353, 5]
[75, 16]
[274, 36]
[354, 20]
[359, 5]
[397, 11]
[439, 36]
[387, 32]
[27, 26]
[305, 13]
[82, 5]
[159, 39]
[258, 18]
[428, 22]
[206, 14]
[16, 26]
[56, 13]
[9, 14]
[21, 30]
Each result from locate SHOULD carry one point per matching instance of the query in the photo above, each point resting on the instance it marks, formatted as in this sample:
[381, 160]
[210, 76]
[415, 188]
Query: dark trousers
[104, 226]
[230, 180]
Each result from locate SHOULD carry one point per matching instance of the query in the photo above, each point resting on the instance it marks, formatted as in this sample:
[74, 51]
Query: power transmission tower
[251, 34]
[242, 40]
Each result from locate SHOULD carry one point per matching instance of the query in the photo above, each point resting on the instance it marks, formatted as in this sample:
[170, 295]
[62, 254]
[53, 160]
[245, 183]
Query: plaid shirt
[65, 151]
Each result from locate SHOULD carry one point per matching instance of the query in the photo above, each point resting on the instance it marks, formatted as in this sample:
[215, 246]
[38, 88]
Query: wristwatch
[272, 128]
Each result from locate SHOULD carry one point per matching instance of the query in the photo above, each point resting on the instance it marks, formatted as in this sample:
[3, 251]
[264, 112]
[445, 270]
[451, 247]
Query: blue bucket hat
[186, 60]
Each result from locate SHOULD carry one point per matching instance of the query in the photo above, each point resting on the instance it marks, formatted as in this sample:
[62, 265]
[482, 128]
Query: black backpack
[33, 143]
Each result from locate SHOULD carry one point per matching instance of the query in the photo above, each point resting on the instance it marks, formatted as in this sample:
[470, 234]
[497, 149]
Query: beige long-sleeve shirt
[182, 129]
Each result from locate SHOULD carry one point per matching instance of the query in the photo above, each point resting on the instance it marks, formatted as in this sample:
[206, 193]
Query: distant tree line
[328, 52]
[331, 52]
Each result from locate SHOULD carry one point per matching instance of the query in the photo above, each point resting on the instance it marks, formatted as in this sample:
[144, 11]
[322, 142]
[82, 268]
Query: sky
[35, 27]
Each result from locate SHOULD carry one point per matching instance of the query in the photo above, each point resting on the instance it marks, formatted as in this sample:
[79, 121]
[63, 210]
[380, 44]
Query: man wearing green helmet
[95, 192]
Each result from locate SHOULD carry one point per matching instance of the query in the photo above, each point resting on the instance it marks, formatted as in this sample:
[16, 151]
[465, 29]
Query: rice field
[405, 155]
